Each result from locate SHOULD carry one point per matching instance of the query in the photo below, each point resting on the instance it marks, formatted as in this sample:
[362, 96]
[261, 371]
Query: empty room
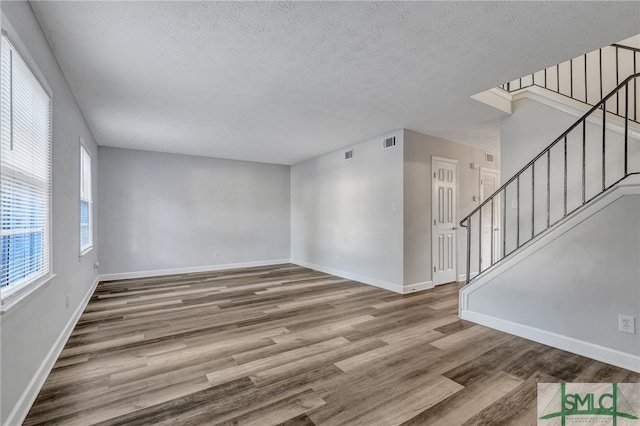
[319, 213]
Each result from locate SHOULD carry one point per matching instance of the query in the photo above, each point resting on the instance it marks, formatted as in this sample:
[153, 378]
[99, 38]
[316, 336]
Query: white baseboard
[630, 186]
[28, 397]
[177, 271]
[569, 344]
[396, 288]
[412, 288]
[463, 277]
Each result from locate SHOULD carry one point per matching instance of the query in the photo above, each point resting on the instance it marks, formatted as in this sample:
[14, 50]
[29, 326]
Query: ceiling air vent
[489, 157]
[389, 142]
[348, 155]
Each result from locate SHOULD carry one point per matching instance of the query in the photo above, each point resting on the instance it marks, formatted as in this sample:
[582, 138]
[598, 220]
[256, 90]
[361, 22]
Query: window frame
[84, 249]
[11, 296]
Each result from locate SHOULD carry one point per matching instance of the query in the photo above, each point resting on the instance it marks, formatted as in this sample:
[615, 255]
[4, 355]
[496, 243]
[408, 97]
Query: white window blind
[25, 173]
[86, 219]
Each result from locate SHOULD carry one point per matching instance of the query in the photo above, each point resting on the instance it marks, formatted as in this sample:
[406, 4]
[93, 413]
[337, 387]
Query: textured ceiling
[282, 82]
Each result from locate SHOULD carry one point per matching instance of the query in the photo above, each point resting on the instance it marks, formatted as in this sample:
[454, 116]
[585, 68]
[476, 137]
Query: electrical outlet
[514, 204]
[627, 324]
[67, 302]
[215, 254]
[96, 265]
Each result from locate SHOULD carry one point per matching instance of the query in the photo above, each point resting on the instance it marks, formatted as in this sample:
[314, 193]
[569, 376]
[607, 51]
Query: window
[25, 173]
[86, 220]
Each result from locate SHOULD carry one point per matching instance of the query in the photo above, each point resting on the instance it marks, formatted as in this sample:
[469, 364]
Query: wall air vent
[389, 142]
[489, 157]
[348, 155]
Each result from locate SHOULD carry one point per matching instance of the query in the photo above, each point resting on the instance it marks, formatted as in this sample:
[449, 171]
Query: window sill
[15, 299]
[85, 251]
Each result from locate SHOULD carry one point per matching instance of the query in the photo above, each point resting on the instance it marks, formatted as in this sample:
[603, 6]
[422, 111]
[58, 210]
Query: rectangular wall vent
[389, 142]
[489, 157]
[348, 155]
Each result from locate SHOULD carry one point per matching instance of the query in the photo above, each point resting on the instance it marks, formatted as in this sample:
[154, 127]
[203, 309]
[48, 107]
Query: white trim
[12, 300]
[16, 292]
[569, 344]
[17, 43]
[28, 397]
[85, 251]
[497, 212]
[412, 288]
[463, 277]
[490, 170]
[434, 159]
[396, 288]
[91, 225]
[177, 271]
[496, 98]
[630, 186]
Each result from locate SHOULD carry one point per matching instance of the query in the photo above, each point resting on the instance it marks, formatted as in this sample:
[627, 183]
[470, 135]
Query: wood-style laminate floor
[291, 346]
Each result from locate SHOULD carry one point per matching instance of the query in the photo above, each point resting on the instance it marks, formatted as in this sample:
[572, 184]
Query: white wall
[590, 275]
[418, 151]
[527, 131]
[530, 129]
[591, 272]
[162, 212]
[342, 211]
[346, 215]
[32, 332]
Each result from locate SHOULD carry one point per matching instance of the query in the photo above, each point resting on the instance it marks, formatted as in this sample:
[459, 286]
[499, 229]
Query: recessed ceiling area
[283, 82]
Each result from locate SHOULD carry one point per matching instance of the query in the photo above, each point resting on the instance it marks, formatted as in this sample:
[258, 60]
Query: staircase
[530, 267]
[553, 186]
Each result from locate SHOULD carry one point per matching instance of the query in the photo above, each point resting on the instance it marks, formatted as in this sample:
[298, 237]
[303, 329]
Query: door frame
[496, 209]
[435, 158]
[487, 169]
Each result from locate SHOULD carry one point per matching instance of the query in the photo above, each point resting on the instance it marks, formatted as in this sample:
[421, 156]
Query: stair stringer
[607, 344]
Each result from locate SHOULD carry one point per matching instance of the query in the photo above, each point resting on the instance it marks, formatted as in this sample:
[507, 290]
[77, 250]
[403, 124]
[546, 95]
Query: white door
[444, 219]
[490, 244]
